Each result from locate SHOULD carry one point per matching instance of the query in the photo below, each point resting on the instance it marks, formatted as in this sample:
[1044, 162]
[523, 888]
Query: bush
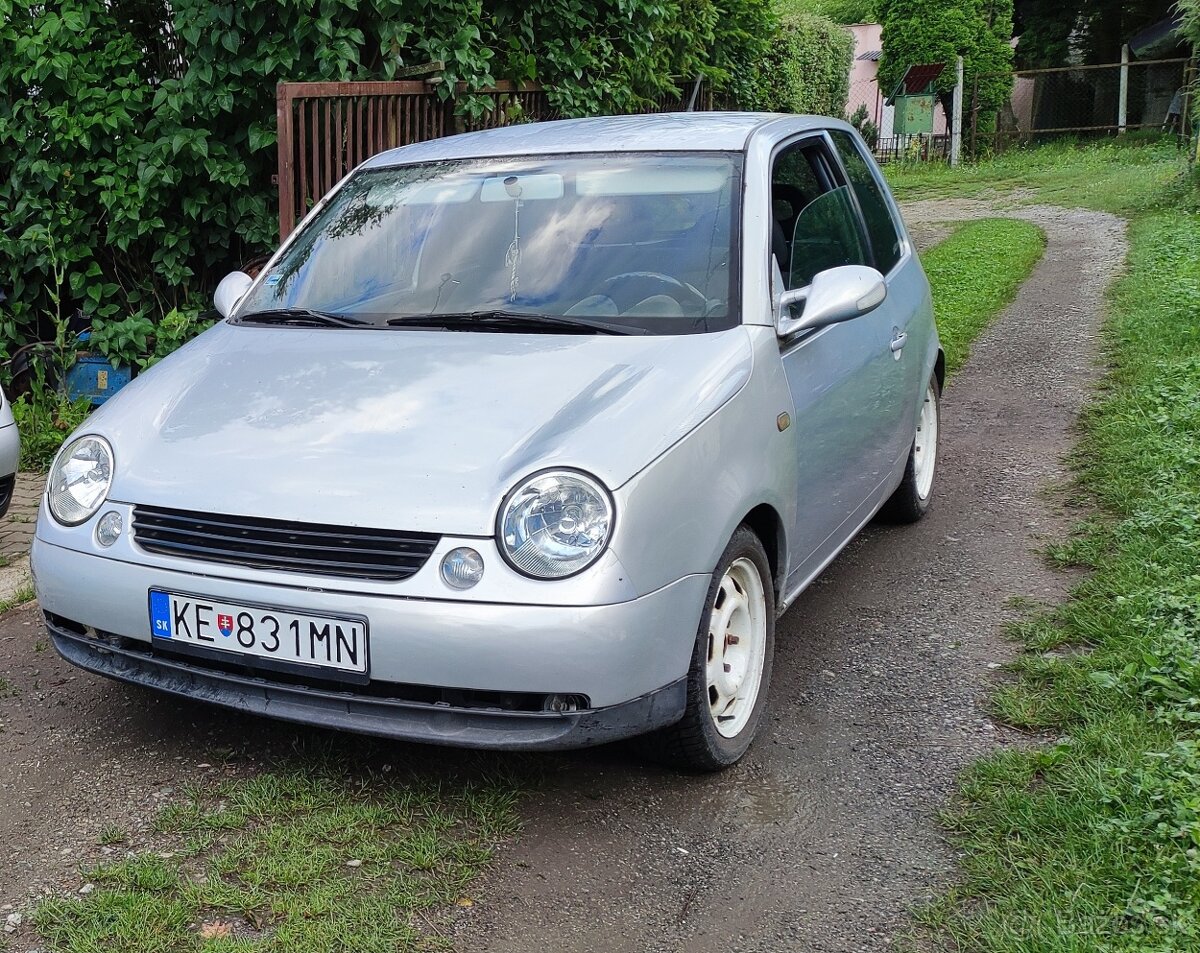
[140, 134]
[866, 126]
[806, 69]
[45, 419]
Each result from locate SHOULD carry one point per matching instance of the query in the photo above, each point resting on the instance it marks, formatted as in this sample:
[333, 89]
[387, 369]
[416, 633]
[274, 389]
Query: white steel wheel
[737, 645]
[925, 444]
[729, 675]
[915, 492]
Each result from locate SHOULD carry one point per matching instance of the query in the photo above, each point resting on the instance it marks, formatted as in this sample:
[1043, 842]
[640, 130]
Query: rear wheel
[911, 500]
[731, 664]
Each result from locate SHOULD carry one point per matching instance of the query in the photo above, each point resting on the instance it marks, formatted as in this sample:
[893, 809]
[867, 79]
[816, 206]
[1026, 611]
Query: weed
[112, 834]
[23, 595]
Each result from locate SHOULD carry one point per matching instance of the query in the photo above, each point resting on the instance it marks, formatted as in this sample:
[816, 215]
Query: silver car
[10, 453]
[522, 440]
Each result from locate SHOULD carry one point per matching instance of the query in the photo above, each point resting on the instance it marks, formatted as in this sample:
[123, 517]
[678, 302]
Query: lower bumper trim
[384, 717]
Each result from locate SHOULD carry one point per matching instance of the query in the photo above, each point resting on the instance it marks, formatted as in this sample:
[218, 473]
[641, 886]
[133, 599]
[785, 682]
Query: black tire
[694, 743]
[907, 505]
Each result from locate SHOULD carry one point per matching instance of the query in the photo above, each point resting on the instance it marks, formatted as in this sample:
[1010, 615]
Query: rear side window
[881, 229]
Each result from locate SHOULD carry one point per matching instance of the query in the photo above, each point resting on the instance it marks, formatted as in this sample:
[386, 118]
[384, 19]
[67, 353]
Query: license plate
[326, 641]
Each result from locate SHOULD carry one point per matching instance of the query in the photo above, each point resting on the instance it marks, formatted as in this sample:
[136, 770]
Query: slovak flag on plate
[225, 624]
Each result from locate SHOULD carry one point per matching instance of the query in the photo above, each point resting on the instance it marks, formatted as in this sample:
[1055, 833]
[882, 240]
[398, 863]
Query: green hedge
[137, 137]
[806, 69]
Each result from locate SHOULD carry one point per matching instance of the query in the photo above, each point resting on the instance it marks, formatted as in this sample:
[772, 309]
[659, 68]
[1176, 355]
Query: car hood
[403, 429]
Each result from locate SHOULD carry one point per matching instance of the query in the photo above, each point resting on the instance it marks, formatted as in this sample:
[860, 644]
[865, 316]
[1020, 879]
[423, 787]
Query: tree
[1055, 32]
[839, 11]
[1190, 10]
[937, 31]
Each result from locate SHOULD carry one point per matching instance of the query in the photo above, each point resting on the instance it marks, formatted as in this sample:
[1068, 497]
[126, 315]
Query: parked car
[522, 440]
[10, 454]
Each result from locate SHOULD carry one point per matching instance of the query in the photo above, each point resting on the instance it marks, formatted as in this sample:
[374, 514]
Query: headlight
[555, 524]
[79, 480]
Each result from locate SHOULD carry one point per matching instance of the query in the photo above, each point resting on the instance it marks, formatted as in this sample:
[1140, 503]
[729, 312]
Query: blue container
[93, 377]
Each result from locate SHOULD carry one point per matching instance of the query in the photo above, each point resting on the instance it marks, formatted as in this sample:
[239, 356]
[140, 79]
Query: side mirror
[835, 295]
[230, 291]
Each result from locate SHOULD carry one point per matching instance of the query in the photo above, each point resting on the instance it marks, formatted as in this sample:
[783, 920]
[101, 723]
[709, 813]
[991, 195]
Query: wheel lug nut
[728, 667]
[731, 640]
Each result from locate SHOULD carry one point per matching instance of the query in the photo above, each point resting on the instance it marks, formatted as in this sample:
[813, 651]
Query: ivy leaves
[141, 133]
[806, 69]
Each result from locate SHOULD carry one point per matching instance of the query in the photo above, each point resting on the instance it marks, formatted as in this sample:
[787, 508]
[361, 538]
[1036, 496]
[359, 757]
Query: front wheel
[911, 500]
[731, 664]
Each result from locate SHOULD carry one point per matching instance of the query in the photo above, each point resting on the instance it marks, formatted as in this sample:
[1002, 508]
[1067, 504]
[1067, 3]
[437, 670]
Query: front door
[842, 377]
[901, 310]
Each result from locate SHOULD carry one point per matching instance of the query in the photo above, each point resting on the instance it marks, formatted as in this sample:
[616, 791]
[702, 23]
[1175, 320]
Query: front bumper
[389, 718]
[629, 659]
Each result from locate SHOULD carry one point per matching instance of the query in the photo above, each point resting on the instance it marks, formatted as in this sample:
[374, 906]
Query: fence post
[1123, 95]
[956, 114]
[287, 181]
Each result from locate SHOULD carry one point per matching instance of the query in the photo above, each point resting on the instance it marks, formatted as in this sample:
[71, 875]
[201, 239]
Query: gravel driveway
[825, 836]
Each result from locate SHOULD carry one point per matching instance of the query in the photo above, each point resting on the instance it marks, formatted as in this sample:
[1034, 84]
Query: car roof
[649, 132]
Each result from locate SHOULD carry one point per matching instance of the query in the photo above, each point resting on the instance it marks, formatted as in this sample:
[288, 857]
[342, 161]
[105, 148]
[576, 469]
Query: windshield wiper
[514, 322]
[301, 318]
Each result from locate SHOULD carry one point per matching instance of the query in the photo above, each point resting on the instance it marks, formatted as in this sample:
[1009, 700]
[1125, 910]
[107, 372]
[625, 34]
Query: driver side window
[813, 221]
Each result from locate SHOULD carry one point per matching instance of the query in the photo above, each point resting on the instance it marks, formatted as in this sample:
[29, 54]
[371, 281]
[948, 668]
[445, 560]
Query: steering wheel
[630, 287]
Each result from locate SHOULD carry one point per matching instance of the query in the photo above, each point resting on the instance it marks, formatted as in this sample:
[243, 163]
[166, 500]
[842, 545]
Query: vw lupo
[10, 451]
[523, 439]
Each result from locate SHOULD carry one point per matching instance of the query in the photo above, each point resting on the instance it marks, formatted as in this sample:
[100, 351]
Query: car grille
[348, 551]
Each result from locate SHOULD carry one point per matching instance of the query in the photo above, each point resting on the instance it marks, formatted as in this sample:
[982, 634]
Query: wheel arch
[939, 368]
[765, 522]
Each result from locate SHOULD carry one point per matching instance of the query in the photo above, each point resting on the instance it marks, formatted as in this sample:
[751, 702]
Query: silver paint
[10, 440]
[429, 430]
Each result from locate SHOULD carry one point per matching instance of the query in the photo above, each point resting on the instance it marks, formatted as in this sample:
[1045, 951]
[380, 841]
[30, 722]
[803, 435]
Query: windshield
[637, 240]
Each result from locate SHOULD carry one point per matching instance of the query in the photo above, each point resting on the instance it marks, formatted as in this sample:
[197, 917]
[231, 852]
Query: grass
[45, 420]
[1124, 177]
[974, 273]
[23, 595]
[1093, 842]
[306, 857]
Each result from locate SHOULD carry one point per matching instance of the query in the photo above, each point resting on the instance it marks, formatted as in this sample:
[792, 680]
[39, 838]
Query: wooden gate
[326, 129]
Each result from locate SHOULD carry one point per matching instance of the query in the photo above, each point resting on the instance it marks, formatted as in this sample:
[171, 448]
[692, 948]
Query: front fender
[677, 515]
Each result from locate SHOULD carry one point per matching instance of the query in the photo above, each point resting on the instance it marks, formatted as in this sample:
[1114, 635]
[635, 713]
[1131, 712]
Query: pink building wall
[864, 91]
[864, 87]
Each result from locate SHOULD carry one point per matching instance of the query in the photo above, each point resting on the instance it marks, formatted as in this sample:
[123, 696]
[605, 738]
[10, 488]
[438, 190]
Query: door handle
[899, 339]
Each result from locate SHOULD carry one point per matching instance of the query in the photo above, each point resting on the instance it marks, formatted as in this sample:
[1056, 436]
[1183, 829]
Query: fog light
[108, 530]
[462, 568]
[565, 703]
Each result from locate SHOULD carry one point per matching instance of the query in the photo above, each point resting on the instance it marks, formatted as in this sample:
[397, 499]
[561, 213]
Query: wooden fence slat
[327, 129]
[286, 183]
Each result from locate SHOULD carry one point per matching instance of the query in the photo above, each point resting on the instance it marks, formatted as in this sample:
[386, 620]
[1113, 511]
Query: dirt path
[824, 837]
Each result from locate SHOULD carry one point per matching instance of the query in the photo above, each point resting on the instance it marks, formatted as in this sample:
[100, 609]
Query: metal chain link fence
[1076, 101]
[1087, 102]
